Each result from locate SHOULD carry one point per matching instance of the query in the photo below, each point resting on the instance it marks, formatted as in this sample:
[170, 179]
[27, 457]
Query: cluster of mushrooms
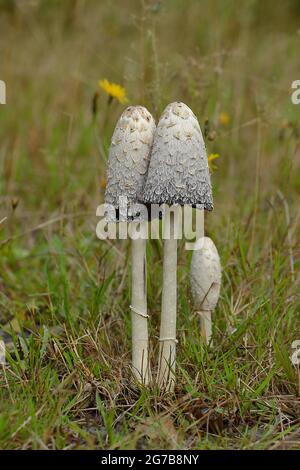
[166, 165]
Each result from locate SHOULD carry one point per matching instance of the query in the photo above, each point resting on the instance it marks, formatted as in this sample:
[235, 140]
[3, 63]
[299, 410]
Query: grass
[64, 295]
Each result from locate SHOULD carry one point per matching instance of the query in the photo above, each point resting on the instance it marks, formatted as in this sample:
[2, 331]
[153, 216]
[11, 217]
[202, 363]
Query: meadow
[65, 295]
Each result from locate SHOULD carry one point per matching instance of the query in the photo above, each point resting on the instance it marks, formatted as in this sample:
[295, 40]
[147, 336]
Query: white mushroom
[205, 279]
[127, 168]
[178, 174]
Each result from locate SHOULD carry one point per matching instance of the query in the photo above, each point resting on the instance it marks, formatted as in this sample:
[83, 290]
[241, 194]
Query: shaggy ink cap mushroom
[205, 275]
[128, 161]
[178, 171]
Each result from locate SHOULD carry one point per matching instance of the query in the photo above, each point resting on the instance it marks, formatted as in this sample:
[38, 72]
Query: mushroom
[126, 174]
[205, 279]
[178, 175]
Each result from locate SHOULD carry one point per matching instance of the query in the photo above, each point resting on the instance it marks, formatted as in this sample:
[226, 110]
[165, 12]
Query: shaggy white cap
[129, 157]
[205, 275]
[178, 171]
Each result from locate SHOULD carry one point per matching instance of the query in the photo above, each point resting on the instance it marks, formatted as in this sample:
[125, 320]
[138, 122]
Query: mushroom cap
[129, 157]
[205, 275]
[178, 171]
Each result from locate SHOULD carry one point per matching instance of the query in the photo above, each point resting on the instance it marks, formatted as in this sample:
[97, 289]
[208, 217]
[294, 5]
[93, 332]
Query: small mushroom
[126, 174]
[178, 174]
[205, 279]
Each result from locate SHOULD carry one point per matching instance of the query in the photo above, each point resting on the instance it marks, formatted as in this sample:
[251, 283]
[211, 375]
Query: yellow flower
[210, 160]
[114, 90]
[103, 182]
[224, 118]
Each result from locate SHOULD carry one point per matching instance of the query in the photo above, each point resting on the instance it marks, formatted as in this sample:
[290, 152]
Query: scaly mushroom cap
[129, 157]
[205, 275]
[178, 171]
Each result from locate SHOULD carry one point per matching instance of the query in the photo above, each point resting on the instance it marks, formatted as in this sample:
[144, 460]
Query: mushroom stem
[167, 352]
[205, 325]
[140, 358]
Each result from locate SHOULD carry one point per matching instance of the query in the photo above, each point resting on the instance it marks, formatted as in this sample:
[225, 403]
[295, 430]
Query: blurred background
[221, 58]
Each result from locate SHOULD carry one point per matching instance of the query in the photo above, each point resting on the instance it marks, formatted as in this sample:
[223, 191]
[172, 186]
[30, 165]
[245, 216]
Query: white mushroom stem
[206, 325]
[167, 352]
[140, 356]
